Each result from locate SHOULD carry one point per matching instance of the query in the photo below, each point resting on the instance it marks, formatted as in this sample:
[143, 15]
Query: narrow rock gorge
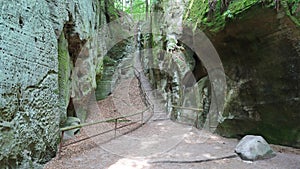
[231, 67]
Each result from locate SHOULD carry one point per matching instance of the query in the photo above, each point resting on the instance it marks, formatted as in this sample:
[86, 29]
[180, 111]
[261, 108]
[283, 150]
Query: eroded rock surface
[259, 49]
[33, 98]
[260, 54]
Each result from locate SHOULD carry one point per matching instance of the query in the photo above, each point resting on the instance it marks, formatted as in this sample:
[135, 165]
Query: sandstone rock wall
[166, 61]
[259, 48]
[177, 67]
[260, 54]
[40, 42]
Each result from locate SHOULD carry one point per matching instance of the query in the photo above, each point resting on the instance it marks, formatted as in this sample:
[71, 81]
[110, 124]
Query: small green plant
[294, 5]
[228, 14]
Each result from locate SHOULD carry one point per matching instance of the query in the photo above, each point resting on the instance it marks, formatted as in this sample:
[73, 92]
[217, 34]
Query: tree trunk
[106, 13]
[212, 8]
[147, 8]
[131, 8]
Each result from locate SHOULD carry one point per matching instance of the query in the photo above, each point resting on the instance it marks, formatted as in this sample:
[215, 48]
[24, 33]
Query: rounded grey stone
[253, 148]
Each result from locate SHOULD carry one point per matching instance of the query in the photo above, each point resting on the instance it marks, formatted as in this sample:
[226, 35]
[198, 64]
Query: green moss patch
[64, 71]
[214, 18]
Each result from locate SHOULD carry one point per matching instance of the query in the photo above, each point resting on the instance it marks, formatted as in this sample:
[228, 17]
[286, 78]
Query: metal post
[116, 123]
[142, 117]
[60, 144]
[197, 119]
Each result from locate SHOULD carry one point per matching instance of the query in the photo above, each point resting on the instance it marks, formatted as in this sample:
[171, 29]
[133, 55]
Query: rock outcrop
[40, 44]
[258, 43]
[181, 57]
[260, 52]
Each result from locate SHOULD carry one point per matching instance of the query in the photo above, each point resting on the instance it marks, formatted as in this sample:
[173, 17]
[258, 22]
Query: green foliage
[138, 6]
[228, 14]
[294, 6]
[200, 11]
[239, 6]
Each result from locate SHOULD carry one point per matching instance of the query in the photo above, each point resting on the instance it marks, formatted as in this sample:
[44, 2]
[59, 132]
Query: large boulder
[253, 148]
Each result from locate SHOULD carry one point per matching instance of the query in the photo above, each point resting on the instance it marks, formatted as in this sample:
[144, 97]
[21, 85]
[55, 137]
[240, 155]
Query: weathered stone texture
[259, 48]
[253, 148]
[261, 58]
[30, 98]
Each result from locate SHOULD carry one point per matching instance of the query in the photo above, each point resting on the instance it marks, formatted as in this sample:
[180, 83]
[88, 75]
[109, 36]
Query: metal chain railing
[195, 110]
[116, 120]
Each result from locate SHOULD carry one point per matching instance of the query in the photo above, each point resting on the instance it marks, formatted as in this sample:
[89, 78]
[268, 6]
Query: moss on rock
[259, 52]
[213, 17]
[34, 75]
[64, 73]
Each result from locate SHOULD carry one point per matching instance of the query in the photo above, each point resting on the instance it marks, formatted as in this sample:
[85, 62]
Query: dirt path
[159, 144]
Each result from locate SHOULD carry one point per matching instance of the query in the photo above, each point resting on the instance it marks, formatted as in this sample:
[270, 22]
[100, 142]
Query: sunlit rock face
[260, 51]
[37, 55]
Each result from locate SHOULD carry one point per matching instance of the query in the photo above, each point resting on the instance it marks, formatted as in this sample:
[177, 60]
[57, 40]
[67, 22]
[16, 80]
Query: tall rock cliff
[258, 44]
[261, 56]
[41, 42]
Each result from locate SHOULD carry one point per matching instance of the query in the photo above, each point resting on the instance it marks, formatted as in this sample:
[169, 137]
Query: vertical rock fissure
[75, 44]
